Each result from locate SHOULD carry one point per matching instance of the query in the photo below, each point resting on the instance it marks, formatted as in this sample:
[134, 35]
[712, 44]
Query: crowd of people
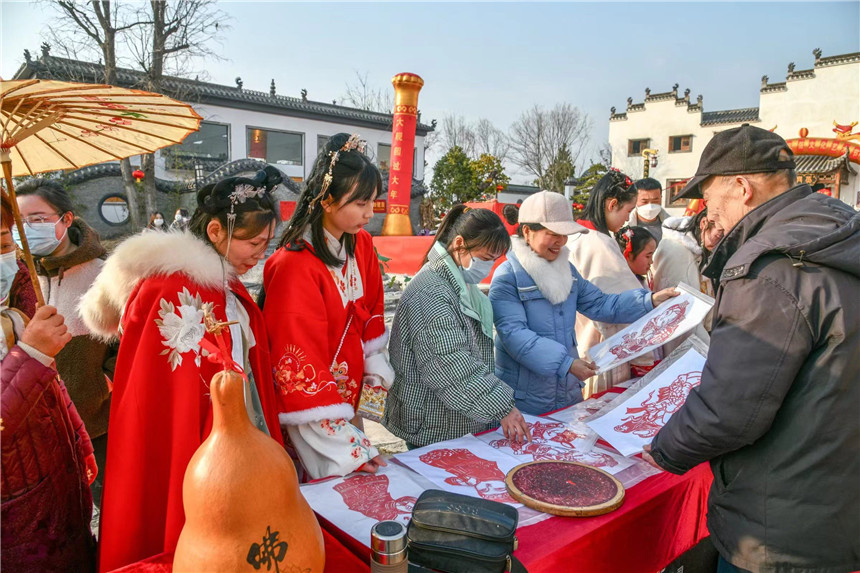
[107, 383]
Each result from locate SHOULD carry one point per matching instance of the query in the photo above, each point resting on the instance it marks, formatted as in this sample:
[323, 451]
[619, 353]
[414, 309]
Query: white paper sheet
[356, 502]
[582, 410]
[466, 465]
[634, 422]
[550, 439]
[668, 321]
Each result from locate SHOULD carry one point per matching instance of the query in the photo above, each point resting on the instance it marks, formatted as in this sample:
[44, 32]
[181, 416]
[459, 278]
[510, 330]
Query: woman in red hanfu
[153, 292]
[323, 306]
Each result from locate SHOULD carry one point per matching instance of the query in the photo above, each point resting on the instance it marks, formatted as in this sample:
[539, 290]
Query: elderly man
[778, 410]
[648, 212]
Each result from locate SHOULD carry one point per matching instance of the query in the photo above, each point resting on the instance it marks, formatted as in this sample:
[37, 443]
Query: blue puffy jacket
[535, 342]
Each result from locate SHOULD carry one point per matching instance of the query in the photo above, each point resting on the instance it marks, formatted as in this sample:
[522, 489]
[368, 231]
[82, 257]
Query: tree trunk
[131, 195]
[149, 190]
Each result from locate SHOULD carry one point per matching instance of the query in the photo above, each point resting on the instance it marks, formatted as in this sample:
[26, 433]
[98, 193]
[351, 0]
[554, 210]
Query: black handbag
[460, 534]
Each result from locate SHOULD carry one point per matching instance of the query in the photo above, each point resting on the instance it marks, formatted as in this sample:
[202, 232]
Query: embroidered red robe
[306, 320]
[161, 411]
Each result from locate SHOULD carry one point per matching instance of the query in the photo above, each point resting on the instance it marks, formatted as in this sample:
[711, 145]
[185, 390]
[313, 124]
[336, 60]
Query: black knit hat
[741, 150]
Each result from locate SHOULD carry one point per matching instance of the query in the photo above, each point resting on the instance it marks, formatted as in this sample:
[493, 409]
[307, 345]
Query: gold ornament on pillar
[406, 88]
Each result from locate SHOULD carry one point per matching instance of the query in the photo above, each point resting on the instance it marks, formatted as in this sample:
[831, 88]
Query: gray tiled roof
[194, 91]
[730, 116]
[819, 163]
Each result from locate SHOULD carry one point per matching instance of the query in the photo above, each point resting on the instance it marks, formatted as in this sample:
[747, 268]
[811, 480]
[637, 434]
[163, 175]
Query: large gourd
[243, 508]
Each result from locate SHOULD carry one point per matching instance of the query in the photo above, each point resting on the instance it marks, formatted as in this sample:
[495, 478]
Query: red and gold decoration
[811, 151]
[406, 88]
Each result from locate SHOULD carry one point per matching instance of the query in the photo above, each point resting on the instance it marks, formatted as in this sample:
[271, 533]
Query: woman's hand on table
[662, 296]
[515, 428]
[373, 465]
[646, 455]
[583, 369]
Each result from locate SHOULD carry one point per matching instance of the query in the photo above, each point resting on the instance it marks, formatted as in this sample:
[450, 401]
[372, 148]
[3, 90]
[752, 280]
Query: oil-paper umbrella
[52, 126]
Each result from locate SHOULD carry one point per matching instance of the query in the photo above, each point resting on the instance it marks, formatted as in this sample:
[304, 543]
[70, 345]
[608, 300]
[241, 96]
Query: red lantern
[499, 187]
[138, 175]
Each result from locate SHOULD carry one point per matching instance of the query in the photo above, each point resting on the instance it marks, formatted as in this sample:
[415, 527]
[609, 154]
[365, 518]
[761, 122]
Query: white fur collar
[142, 256]
[671, 229]
[554, 279]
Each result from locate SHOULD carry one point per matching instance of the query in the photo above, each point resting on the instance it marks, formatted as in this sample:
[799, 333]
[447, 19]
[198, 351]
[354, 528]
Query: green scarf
[473, 302]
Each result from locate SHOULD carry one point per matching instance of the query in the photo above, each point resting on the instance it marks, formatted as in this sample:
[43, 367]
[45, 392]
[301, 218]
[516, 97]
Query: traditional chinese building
[814, 109]
[238, 125]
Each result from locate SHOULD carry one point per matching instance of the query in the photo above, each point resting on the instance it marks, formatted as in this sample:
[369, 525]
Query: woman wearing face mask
[156, 222]
[687, 243]
[68, 258]
[46, 454]
[442, 340]
[599, 260]
[180, 220]
[536, 294]
[323, 303]
[153, 293]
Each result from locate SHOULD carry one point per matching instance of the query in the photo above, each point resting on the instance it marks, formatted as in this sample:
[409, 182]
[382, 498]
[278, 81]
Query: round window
[113, 210]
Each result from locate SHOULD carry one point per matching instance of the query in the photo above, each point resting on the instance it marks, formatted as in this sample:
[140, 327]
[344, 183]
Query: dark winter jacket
[85, 361]
[778, 409]
[46, 502]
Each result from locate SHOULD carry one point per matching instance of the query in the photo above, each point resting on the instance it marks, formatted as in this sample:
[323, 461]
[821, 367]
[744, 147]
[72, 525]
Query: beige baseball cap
[552, 211]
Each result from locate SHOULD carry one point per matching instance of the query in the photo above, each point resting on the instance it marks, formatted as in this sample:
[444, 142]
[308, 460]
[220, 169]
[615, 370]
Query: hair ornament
[354, 142]
[628, 248]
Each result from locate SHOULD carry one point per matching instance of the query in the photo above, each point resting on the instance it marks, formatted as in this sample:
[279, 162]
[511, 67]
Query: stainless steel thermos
[388, 548]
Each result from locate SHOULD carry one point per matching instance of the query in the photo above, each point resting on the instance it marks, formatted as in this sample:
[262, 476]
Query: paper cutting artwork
[668, 321]
[646, 420]
[368, 494]
[633, 423]
[465, 465]
[356, 502]
[656, 331]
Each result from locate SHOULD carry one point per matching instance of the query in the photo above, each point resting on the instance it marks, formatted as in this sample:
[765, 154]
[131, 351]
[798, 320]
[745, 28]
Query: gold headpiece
[352, 143]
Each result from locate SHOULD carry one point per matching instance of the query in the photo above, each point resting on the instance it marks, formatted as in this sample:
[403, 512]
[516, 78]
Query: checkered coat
[444, 385]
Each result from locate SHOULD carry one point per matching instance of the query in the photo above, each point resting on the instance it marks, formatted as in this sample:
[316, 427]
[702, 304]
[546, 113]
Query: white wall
[240, 119]
[814, 103]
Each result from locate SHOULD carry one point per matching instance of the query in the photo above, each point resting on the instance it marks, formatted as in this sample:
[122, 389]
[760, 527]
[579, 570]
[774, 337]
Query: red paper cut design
[368, 494]
[656, 331]
[647, 420]
[544, 451]
[467, 469]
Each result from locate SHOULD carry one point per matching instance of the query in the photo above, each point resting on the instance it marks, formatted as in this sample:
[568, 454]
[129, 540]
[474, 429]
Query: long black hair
[353, 175]
[253, 213]
[613, 185]
[479, 228]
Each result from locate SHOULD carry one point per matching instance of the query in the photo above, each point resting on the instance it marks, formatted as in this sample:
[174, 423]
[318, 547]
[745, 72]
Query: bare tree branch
[362, 96]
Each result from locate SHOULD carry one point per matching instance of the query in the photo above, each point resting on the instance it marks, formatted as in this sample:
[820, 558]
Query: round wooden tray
[593, 475]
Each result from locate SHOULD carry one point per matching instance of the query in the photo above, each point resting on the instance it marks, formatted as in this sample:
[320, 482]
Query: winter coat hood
[802, 224]
[673, 229]
[143, 256]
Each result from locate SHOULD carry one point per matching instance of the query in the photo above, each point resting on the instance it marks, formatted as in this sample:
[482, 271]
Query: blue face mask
[42, 237]
[8, 270]
[477, 270]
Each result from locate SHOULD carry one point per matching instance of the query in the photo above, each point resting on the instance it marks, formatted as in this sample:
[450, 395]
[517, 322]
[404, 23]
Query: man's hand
[515, 428]
[46, 331]
[583, 369]
[663, 295]
[646, 455]
[373, 465]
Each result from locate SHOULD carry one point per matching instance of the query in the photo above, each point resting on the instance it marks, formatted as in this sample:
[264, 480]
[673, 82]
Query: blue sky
[495, 60]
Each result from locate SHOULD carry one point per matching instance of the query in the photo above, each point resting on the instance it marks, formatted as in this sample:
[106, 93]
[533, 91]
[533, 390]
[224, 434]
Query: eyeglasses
[36, 219]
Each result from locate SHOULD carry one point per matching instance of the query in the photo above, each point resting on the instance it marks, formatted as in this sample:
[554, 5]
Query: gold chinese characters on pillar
[406, 88]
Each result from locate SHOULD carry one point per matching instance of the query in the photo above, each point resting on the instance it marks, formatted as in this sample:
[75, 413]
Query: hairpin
[239, 195]
[628, 248]
[352, 143]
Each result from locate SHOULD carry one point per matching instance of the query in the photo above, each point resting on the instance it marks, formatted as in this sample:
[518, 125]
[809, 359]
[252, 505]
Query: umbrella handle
[28, 257]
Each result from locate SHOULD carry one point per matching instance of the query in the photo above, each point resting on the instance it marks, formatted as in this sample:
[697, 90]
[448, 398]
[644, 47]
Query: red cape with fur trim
[306, 318]
[161, 410]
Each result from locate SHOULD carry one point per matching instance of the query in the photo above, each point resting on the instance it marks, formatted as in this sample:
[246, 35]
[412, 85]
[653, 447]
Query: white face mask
[477, 270]
[158, 222]
[178, 217]
[8, 270]
[649, 212]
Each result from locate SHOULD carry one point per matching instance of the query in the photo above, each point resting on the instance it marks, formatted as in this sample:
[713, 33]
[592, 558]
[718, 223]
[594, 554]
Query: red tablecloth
[338, 559]
[661, 518]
